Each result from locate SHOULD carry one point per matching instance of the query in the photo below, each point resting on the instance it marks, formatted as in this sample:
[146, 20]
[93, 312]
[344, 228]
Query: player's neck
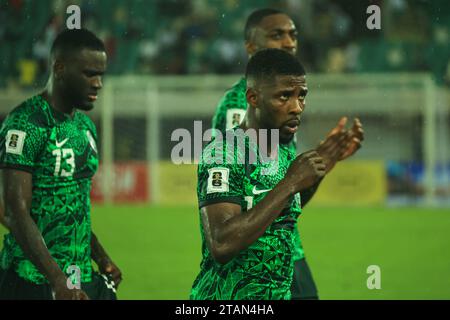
[250, 122]
[56, 100]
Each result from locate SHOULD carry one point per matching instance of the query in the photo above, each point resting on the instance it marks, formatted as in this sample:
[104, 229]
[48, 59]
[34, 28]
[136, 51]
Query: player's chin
[86, 106]
[286, 138]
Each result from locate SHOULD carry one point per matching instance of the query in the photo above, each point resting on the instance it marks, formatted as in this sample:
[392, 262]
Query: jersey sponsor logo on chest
[59, 144]
[257, 191]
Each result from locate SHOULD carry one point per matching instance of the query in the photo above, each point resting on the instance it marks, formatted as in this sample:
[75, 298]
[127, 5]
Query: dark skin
[75, 80]
[278, 31]
[271, 105]
[2, 206]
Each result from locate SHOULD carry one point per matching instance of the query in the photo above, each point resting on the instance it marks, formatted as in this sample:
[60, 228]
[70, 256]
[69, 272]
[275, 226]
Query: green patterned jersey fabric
[265, 269]
[61, 154]
[229, 113]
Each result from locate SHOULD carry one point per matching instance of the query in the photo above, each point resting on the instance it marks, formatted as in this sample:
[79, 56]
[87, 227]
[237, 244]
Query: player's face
[282, 101]
[83, 78]
[275, 31]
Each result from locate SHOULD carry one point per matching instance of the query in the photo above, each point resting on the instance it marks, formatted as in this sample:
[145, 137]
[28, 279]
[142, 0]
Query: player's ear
[250, 48]
[58, 68]
[252, 97]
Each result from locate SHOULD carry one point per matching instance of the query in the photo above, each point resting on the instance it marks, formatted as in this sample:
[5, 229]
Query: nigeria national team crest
[91, 140]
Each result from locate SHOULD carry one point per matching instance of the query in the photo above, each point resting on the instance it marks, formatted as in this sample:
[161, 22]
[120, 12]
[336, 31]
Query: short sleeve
[231, 109]
[21, 142]
[220, 182]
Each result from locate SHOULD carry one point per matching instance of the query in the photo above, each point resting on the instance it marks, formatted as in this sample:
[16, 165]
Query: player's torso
[69, 155]
[263, 176]
[63, 160]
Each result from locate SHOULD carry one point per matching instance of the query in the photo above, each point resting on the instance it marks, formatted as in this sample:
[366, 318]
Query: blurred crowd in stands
[206, 36]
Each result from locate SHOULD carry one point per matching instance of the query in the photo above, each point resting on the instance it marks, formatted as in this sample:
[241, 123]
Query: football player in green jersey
[48, 156]
[270, 28]
[248, 210]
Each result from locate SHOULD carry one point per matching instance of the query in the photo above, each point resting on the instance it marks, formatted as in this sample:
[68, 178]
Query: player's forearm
[98, 253]
[18, 188]
[241, 231]
[308, 193]
[29, 238]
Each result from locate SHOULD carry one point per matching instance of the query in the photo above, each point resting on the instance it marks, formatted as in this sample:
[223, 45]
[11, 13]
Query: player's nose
[297, 107]
[97, 83]
[289, 44]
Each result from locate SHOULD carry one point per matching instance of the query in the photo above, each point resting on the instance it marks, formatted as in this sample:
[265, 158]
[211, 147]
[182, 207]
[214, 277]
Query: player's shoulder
[31, 112]
[235, 96]
[86, 121]
[228, 148]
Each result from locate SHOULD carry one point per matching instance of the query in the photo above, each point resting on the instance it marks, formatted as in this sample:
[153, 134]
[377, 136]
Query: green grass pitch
[158, 250]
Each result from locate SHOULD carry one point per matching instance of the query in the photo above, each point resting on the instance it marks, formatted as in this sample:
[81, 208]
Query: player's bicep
[21, 144]
[17, 191]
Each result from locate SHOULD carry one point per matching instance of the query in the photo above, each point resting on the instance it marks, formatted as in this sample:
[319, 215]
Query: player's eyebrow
[281, 30]
[93, 72]
[285, 90]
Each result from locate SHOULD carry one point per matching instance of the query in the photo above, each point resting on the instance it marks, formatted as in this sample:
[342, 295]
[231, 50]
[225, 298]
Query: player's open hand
[356, 137]
[341, 143]
[106, 266]
[306, 170]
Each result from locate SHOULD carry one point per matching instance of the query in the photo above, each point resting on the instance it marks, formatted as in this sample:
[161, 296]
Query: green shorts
[303, 286]
[13, 287]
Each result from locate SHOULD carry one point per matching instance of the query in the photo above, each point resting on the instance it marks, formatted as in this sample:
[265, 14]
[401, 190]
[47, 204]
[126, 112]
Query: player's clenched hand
[306, 170]
[62, 292]
[106, 266]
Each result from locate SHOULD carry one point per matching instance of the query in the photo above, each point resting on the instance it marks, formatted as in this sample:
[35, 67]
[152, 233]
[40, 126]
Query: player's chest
[262, 178]
[70, 151]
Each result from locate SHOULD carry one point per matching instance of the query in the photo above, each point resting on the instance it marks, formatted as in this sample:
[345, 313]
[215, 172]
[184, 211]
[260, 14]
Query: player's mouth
[92, 97]
[292, 125]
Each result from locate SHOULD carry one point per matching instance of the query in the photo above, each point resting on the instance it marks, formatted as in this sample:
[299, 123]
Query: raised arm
[18, 194]
[228, 232]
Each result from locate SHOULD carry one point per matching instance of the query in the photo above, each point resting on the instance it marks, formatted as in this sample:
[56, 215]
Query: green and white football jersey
[265, 269]
[229, 114]
[61, 154]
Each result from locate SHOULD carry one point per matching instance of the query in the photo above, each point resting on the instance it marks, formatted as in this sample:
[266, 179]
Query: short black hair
[268, 63]
[74, 40]
[255, 18]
